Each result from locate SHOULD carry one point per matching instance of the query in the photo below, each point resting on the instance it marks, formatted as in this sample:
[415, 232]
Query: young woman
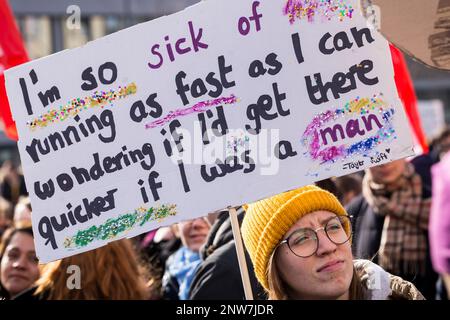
[19, 265]
[300, 246]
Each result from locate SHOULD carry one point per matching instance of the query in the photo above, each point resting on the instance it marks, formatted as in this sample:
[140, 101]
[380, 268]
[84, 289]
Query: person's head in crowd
[19, 264]
[388, 173]
[182, 264]
[193, 233]
[111, 272]
[22, 211]
[299, 243]
[6, 215]
[350, 186]
[300, 246]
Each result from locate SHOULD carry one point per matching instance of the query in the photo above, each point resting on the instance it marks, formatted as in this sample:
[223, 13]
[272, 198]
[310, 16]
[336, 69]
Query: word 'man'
[352, 128]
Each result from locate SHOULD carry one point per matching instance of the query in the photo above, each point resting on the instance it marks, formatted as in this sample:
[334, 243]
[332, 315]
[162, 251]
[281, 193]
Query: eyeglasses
[304, 242]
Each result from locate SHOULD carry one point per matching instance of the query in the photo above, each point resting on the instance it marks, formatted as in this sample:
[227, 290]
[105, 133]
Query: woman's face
[389, 172]
[193, 233]
[327, 274]
[19, 265]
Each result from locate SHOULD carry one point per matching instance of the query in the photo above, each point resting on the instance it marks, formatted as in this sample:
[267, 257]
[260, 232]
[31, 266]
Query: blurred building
[50, 26]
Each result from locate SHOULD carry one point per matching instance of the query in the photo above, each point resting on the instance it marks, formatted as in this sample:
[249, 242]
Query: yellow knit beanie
[267, 221]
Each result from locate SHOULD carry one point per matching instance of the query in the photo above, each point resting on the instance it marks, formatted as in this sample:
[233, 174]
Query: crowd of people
[379, 234]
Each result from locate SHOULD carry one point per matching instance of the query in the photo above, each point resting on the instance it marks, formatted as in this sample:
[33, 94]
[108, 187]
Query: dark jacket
[30, 295]
[367, 229]
[218, 276]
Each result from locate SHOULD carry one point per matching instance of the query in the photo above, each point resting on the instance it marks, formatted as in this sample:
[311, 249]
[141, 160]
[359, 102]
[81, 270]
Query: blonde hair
[278, 288]
[111, 272]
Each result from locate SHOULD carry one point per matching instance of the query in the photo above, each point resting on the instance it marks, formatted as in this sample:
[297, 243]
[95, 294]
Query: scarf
[404, 243]
[183, 268]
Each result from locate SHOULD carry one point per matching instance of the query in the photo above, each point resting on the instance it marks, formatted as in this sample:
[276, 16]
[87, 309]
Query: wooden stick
[240, 254]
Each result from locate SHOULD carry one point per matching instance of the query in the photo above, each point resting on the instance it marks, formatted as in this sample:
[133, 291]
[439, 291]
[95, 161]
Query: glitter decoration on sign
[197, 108]
[313, 9]
[77, 105]
[323, 129]
[113, 227]
[236, 143]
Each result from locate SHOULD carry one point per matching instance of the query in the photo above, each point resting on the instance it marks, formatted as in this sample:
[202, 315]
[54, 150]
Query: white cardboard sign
[224, 103]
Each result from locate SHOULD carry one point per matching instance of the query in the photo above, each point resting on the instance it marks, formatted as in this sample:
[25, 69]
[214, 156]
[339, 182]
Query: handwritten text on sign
[187, 114]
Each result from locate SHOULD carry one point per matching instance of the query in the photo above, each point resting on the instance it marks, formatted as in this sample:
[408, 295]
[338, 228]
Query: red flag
[407, 94]
[12, 53]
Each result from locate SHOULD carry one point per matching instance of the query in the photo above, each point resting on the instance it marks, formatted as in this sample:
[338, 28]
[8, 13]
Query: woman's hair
[9, 233]
[110, 272]
[278, 288]
[6, 239]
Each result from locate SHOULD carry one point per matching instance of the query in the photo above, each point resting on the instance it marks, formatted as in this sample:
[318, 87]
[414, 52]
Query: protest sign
[221, 104]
